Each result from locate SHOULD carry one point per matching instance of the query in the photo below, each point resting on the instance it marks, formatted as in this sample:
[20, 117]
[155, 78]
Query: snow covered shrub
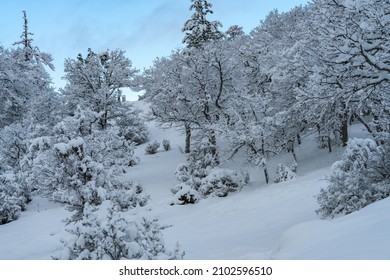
[151, 148]
[166, 144]
[183, 193]
[218, 182]
[198, 178]
[201, 157]
[183, 172]
[12, 199]
[284, 173]
[359, 179]
[191, 173]
[198, 165]
[221, 182]
[126, 195]
[114, 235]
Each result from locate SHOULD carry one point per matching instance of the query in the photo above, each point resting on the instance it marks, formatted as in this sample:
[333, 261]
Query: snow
[361, 235]
[36, 234]
[274, 221]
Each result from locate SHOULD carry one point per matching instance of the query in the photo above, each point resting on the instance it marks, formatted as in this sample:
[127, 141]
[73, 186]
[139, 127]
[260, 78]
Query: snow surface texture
[274, 221]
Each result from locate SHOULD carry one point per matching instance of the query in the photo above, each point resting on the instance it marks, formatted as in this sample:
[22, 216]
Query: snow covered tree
[235, 31]
[351, 74]
[168, 94]
[28, 103]
[95, 82]
[13, 198]
[22, 84]
[198, 32]
[28, 106]
[171, 84]
[264, 117]
[198, 29]
[79, 163]
[13, 139]
[29, 52]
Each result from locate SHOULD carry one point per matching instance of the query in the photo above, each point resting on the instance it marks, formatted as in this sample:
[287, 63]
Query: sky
[144, 29]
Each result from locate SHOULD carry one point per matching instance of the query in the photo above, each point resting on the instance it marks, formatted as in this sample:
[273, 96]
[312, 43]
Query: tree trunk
[188, 138]
[377, 129]
[293, 152]
[344, 131]
[344, 125]
[266, 175]
[214, 152]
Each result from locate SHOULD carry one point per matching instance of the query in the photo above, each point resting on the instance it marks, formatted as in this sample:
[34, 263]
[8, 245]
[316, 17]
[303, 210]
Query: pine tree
[23, 79]
[29, 52]
[26, 40]
[198, 30]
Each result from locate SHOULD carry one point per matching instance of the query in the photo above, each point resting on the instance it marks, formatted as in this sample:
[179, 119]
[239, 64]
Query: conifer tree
[198, 30]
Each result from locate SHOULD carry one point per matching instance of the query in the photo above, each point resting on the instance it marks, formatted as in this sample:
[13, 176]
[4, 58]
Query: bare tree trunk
[293, 152]
[266, 175]
[188, 138]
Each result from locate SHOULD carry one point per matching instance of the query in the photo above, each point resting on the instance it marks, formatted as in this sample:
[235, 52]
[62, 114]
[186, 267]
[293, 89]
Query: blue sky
[145, 29]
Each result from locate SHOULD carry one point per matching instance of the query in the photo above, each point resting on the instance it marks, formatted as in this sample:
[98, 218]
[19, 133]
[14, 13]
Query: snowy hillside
[274, 221]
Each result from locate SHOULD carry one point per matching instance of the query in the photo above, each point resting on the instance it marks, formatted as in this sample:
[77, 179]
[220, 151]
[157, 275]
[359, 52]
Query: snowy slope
[275, 221]
[360, 235]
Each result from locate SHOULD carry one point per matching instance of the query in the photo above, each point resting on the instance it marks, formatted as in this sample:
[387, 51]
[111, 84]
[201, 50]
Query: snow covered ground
[274, 221]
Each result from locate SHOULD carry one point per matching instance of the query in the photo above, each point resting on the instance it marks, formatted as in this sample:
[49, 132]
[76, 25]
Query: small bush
[284, 173]
[115, 236]
[126, 195]
[134, 161]
[199, 177]
[219, 182]
[183, 172]
[185, 194]
[151, 148]
[166, 144]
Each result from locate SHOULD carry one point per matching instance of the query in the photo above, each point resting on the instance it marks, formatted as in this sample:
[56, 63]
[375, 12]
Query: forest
[313, 72]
